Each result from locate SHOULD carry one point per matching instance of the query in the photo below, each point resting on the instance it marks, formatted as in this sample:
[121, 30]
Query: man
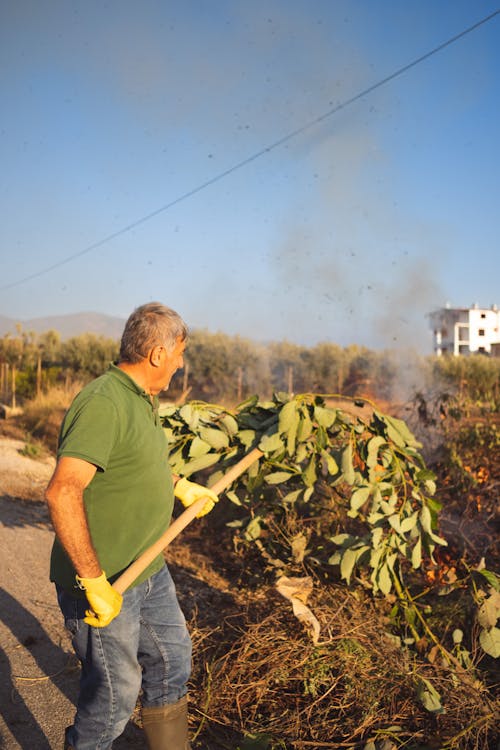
[110, 498]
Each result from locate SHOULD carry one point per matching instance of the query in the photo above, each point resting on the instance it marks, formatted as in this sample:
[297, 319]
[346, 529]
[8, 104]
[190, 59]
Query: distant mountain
[68, 325]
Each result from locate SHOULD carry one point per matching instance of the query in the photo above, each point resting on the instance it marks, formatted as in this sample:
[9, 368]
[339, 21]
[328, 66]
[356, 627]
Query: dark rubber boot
[166, 727]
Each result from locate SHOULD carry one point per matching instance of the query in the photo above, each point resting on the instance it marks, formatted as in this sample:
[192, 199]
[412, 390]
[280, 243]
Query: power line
[253, 157]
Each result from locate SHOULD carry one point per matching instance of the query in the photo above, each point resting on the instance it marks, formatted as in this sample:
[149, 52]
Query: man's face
[169, 363]
[174, 360]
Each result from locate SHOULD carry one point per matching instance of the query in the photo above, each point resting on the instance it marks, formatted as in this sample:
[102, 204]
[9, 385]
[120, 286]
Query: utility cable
[253, 157]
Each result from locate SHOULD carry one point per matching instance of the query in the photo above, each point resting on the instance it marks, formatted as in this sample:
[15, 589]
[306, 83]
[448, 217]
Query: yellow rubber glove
[105, 602]
[189, 492]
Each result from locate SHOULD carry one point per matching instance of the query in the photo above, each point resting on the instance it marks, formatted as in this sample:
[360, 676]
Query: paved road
[38, 672]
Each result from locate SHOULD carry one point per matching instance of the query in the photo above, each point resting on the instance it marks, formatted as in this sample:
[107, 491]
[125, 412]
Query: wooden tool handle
[138, 566]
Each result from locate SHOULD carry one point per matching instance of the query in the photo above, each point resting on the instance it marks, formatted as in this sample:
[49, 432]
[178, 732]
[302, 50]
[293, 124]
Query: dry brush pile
[348, 502]
[266, 681]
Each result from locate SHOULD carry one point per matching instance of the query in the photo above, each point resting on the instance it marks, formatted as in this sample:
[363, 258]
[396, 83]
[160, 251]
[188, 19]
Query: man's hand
[105, 602]
[189, 492]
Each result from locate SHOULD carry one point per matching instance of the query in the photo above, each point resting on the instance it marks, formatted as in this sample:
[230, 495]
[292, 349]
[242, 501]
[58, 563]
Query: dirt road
[38, 672]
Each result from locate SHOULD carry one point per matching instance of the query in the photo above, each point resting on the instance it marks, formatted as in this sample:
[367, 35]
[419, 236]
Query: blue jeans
[147, 645]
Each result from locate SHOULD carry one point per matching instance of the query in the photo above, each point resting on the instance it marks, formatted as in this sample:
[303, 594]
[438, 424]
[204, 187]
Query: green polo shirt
[113, 424]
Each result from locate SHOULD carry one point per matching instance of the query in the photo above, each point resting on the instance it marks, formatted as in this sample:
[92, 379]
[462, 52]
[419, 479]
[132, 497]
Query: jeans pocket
[73, 610]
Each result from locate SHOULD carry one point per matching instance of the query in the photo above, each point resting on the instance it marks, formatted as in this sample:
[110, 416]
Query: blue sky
[349, 232]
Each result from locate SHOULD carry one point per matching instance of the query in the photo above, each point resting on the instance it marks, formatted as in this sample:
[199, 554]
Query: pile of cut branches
[351, 502]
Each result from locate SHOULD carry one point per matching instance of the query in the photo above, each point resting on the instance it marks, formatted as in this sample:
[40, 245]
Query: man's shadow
[58, 667]
[51, 660]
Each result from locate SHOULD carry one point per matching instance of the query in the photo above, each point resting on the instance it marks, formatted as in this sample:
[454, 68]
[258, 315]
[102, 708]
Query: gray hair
[150, 325]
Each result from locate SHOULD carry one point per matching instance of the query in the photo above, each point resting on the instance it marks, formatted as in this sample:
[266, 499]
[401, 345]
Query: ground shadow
[51, 660]
[17, 511]
[16, 713]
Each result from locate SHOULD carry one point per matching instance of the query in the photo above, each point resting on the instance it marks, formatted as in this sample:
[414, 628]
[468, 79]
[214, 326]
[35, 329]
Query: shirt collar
[126, 380]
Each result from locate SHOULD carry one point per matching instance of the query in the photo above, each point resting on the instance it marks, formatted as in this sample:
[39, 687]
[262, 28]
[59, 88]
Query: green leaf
[291, 497]
[425, 519]
[167, 411]
[254, 470]
[391, 560]
[386, 458]
[253, 529]
[169, 434]
[409, 523]
[490, 641]
[395, 522]
[492, 578]
[271, 443]
[288, 417]
[331, 464]
[434, 506]
[416, 555]
[305, 427]
[458, 636]
[325, 417]
[309, 475]
[377, 535]
[347, 465]
[341, 538]
[429, 697]
[347, 564]
[375, 557]
[198, 447]
[229, 424]
[438, 540]
[288, 424]
[215, 438]
[384, 579]
[322, 440]
[301, 453]
[177, 462]
[190, 416]
[278, 477]
[334, 559]
[359, 497]
[248, 403]
[308, 494]
[430, 486]
[373, 448]
[424, 474]
[246, 437]
[387, 507]
[200, 463]
[398, 432]
[233, 497]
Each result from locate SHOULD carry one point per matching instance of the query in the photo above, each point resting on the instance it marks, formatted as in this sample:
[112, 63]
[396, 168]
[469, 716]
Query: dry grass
[42, 415]
[262, 675]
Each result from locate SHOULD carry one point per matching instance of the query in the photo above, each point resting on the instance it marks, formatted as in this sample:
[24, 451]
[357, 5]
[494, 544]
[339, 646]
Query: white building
[466, 330]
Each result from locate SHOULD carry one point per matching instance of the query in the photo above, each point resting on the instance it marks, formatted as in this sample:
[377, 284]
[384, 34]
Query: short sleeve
[90, 430]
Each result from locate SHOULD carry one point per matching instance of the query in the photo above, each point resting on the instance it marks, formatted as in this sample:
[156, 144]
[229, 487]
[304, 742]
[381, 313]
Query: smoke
[367, 265]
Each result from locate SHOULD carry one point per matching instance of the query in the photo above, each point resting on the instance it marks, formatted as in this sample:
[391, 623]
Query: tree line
[228, 369]
[31, 363]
